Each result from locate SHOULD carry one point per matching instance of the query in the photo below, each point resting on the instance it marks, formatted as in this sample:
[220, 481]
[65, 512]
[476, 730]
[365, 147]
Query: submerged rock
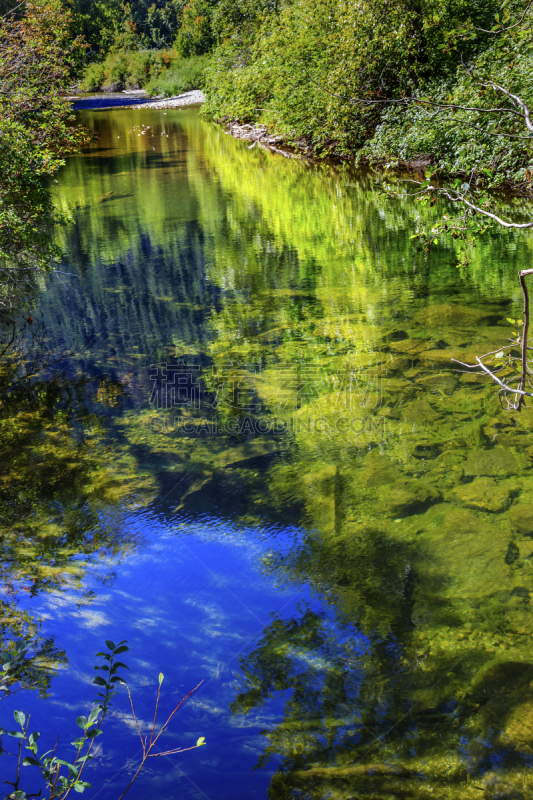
[521, 517]
[377, 470]
[408, 496]
[419, 412]
[518, 731]
[486, 494]
[439, 382]
[411, 346]
[449, 316]
[460, 554]
[493, 463]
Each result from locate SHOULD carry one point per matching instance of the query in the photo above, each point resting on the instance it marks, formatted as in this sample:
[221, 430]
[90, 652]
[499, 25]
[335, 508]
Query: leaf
[33, 737]
[161, 676]
[77, 743]
[118, 665]
[499, 355]
[109, 644]
[81, 722]
[99, 681]
[512, 321]
[93, 716]
[20, 717]
[72, 768]
[200, 741]
[122, 649]
[30, 762]
[15, 734]
[93, 733]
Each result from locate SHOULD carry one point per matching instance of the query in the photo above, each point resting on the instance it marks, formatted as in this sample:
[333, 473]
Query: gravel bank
[188, 99]
[136, 99]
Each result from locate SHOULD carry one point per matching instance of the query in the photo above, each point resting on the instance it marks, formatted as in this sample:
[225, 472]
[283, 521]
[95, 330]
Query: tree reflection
[61, 507]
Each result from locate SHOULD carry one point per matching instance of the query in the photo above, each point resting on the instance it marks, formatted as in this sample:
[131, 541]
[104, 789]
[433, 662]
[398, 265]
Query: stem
[155, 714]
[521, 277]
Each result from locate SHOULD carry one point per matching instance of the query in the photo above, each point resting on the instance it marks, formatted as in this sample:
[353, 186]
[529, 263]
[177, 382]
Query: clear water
[249, 455]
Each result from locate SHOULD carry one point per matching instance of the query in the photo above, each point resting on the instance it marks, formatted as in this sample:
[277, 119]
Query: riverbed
[258, 465]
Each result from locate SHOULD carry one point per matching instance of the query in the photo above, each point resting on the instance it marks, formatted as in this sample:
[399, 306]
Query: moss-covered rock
[410, 496]
[449, 315]
[486, 494]
[494, 462]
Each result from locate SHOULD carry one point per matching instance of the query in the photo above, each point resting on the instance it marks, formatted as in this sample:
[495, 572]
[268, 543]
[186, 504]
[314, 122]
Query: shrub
[126, 69]
[184, 74]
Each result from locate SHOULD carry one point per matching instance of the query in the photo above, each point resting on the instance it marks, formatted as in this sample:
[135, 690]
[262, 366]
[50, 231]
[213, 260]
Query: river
[248, 454]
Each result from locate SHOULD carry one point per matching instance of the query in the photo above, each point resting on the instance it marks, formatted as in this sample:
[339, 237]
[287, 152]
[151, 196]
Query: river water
[246, 452]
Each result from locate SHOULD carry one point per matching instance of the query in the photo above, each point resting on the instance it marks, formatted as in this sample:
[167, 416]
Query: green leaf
[33, 737]
[111, 645]
[161, 676]
[15, 734]
[200, 741]
[94, 732]
[93, 716]
[99, 681]
[20, 717]
[81, 722]
[122, 649]
[499, 355]
[72, 768]
[30, 762]
[77, 743]
[118, 665]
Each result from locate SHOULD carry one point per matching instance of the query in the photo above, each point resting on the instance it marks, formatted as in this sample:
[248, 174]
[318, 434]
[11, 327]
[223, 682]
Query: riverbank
[137, 99]
[193, 98]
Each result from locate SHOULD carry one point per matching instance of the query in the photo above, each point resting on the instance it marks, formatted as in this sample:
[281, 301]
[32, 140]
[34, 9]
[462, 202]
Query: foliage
[196, 35]
[58, 775]
[298, 65]
[37, 132]
[98, 22]
[453, 126]
[127, 69]
[139, 24]
[183, 75]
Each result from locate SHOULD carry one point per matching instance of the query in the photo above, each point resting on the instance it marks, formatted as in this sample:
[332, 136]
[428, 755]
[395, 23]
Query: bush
[184, 74]
[126, 69]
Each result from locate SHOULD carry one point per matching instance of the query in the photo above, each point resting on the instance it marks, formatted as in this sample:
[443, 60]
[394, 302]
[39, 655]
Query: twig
[146, 751]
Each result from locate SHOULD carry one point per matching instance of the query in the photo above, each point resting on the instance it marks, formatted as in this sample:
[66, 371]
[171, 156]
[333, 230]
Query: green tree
[37, 57]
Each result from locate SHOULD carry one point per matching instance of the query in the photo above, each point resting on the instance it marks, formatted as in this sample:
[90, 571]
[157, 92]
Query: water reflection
[271, 351]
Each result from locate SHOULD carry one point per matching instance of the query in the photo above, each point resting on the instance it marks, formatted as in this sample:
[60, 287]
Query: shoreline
[258, 135]
[134, 99]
